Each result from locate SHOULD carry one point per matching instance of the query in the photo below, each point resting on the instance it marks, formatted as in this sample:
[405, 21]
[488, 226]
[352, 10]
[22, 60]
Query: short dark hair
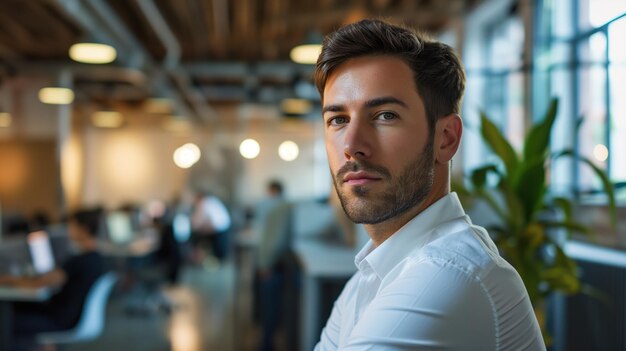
[88, 219]
[437, 71]
[275, 186]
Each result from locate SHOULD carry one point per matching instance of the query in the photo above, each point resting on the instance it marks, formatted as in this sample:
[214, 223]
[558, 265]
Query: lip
[359, 178]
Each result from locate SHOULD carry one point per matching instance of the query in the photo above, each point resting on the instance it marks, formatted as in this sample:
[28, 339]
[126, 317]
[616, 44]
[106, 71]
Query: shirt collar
[414, 234]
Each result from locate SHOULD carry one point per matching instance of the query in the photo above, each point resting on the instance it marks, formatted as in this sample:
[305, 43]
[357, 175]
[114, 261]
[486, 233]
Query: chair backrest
[91, 322]
[92, 318]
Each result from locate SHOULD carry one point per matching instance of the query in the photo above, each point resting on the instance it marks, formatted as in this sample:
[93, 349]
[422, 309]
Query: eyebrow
[384, 100]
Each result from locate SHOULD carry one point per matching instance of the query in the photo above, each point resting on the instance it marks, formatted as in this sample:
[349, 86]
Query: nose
[356, 143]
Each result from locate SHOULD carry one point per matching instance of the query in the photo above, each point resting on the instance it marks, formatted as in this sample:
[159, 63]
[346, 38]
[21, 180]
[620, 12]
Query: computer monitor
[40, 250]
[182, 227]
[120, 227]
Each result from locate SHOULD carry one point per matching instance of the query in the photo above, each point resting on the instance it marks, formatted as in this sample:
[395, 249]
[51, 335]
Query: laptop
[41, 253]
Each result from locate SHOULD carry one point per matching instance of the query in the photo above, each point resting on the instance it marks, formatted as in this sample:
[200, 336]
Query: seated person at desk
[73, 281]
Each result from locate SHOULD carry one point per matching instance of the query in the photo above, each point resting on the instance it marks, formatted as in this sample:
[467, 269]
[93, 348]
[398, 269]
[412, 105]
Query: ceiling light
[56, 96]
[187, 155]
[5, 119]
[158, 106]
[107, 119]
[306, 54]
[288, 151]
[249, 148]
[296, 106]
[176, 124]
[92, 53]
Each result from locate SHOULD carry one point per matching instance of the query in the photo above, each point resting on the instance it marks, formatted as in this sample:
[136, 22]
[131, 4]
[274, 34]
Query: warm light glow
[187, 324]
[5, 119]
[158, 106]
[56, 96]
[184, 336]
[187, 155]
[176, 124]
[92, 53]
[600, 152]
[306, 54]
[126, 163]
[249, 148]
[72, 167]
[107, 119]
[296, 106]
[288, 150]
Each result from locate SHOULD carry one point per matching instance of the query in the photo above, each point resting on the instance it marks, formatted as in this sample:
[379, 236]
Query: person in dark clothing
[73, 281]
[169, 253]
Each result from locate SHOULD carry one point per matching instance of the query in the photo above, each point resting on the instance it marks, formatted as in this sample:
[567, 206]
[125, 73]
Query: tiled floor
[212, 311]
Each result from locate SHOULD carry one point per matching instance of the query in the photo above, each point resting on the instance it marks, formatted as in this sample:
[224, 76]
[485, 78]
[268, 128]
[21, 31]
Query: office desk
[319, 261]
[10, 294]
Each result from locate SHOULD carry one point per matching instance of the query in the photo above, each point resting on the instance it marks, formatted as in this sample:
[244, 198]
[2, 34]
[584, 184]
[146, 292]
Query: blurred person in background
[210, 223]
[73, 281]
[273, 226]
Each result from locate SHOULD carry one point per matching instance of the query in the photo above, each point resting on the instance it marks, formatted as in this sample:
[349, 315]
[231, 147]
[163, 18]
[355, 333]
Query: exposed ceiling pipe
[99, 16]
[172, 59]
[162, 30]
[77, 11]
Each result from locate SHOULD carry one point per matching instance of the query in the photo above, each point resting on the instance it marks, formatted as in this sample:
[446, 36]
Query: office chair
[91, 322]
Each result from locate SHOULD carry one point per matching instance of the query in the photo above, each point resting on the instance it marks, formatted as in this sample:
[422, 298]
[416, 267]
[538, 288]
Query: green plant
[522, 203]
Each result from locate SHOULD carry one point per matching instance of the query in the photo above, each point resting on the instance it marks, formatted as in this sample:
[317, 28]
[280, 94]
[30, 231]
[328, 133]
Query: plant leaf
[516, 211]
[491, 202]
[538, 138]
[531, 186]
[607, 186]
[570, 225]
[479, 176]
[498, 144]
[565, 205]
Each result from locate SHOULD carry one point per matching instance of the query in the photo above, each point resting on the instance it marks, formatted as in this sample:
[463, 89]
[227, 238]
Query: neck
[379, 232]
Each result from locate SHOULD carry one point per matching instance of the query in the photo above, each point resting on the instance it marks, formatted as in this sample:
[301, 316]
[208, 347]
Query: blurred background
[184, 109]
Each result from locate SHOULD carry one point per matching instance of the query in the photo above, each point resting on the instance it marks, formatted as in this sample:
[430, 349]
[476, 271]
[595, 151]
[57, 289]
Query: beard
[401, 193]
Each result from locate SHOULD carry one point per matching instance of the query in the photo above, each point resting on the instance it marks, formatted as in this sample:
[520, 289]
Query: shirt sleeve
[428, 306]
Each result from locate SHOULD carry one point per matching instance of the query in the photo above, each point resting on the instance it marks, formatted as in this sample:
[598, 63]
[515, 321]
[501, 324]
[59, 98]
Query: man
[73, 279]
[428, 278]
[273, 226]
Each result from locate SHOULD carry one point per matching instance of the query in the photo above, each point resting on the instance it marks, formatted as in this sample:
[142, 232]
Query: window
[493, 56]
[580, 58]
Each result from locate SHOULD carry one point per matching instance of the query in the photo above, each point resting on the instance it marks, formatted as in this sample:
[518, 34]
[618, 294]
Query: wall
[29, 176]
[130, 165]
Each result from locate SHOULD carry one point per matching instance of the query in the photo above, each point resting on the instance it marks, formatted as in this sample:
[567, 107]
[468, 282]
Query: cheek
[334, 152]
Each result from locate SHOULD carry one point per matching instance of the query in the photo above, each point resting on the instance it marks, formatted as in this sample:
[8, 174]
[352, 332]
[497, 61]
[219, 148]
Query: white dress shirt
[438, 283]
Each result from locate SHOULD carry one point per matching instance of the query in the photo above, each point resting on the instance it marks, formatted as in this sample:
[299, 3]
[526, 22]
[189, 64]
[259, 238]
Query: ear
[448, 133]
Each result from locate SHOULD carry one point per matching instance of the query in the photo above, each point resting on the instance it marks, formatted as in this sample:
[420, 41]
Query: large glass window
[504, 98]
[587, 71]
[496, 74]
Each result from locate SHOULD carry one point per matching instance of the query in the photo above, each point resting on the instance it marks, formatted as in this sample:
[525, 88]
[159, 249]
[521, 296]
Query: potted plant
[516, 190]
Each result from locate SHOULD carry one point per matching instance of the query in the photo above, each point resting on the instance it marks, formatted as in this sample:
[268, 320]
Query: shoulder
[462, 262]
[459, 245]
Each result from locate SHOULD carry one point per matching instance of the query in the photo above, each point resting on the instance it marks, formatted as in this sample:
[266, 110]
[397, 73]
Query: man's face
[377, 138]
